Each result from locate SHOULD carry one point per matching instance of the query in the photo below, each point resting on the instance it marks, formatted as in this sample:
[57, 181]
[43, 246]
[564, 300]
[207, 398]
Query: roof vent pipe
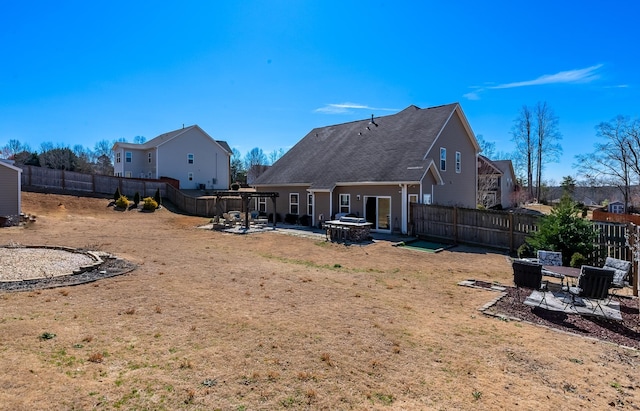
[373, 122]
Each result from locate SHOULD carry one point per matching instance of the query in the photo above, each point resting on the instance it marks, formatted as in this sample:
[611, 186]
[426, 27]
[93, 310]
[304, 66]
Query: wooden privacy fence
[91, 183]
[504, 230]
[209, 206]
[48, 178]
[498, 229]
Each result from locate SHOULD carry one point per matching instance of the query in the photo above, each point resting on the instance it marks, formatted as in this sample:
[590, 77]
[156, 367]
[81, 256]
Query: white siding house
[188, 155]
[10, 190]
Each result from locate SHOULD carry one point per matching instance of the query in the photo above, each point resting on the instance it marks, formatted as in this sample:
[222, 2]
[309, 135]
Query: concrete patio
[560, 301]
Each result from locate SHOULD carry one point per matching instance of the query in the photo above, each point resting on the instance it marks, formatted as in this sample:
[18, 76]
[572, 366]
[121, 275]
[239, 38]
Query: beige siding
[459, 189]
[10, 189]
[210, 165]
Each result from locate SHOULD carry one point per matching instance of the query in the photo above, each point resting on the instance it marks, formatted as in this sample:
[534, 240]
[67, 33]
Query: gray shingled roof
[162, 138]
[361, 152]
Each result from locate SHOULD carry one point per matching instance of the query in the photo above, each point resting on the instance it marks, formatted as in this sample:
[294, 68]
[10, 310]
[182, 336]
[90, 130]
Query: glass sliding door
[378, 213]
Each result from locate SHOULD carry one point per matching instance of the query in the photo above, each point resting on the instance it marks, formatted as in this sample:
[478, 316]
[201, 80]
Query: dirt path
[269, 321]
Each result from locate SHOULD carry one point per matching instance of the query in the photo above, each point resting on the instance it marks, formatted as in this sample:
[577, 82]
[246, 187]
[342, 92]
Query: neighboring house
[10, 187]
[375, 168]
[188, 155]
[616, 207]
[496, 183]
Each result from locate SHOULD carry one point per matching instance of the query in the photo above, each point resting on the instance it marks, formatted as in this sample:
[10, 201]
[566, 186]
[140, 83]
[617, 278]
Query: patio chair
[594, 284]
[621, 269]
[550, 258]
[527, 274]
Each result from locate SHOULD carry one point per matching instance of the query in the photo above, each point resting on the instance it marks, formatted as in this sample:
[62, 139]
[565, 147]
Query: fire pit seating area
[348, 229]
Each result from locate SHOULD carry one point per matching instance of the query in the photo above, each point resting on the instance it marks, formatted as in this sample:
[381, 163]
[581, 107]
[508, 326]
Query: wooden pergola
[247, 196]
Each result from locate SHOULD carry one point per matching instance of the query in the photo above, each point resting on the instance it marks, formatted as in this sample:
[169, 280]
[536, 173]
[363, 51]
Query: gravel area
[29, 268]
[18, 263]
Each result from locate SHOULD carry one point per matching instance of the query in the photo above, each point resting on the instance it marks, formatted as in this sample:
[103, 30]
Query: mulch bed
[625, 333]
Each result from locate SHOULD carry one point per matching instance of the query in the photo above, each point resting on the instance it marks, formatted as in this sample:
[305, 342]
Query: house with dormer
[188, 155]
[374, 168]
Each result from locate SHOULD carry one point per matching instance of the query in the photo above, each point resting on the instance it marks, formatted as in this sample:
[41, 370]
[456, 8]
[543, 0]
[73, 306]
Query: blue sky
[263, 74]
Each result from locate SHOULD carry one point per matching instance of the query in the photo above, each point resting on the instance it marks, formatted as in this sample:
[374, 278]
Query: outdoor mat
[423, 245]
[559, 301]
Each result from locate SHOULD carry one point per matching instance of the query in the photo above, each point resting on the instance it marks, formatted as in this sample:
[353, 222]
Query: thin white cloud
[584, 75]
[343, 108]
[472, 96]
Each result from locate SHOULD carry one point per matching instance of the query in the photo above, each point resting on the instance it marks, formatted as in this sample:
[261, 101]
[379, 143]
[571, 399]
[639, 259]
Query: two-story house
[188, 155]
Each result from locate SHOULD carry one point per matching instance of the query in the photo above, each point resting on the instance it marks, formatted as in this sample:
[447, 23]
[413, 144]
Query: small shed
[10, 190]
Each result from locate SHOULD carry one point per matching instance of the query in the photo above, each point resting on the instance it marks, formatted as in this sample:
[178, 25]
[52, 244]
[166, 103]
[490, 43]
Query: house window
[149, 174]
[310, 204]
[413, 198]
[118, 174]
[443, 159]
[127, 174]
[458, 162]
[149, 157]
[190, 177]
[118, 157]
[294, 203]
[190, 158]
[345, 206]
[261, 204]
[127, 156]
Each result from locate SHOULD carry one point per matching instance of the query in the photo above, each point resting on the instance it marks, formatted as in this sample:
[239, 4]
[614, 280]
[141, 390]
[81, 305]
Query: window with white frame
[413, 198]
[190, 176]
[443, 159]
[118, 157]
[345, 203]
[261, 204]
[458, 162]
[149, 157]
[294, 203]
[310, 204]
[127, 156]
[190, 158]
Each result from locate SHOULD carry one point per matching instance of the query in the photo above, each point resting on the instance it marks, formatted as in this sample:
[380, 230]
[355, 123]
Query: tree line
[615, 160]
[99, 160]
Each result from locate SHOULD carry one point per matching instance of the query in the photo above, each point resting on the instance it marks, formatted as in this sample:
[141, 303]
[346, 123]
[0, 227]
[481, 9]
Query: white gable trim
[465, 124]
[432, 167]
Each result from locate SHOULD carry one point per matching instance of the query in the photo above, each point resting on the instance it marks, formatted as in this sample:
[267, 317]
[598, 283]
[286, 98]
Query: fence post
[511, 240]
[455, 225]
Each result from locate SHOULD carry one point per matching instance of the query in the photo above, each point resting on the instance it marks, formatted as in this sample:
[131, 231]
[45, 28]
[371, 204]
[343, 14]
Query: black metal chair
[594, 284]
[527, 274]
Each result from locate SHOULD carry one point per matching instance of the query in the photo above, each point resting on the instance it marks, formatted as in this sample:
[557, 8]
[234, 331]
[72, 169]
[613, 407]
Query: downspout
[405, 204]
[330, 204]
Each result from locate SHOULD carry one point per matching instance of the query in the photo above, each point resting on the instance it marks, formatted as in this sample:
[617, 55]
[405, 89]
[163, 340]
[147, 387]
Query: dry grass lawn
[271, 321]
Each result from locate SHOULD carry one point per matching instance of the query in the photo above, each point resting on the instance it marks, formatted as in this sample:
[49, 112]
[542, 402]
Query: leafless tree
[275, 155]
[522, 135]
[102, 148]
[536, 135]
[548, 135]
[12, 148]
[615, 161]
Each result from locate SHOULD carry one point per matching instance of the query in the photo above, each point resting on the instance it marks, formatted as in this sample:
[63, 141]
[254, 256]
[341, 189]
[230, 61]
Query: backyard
[210, 320]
